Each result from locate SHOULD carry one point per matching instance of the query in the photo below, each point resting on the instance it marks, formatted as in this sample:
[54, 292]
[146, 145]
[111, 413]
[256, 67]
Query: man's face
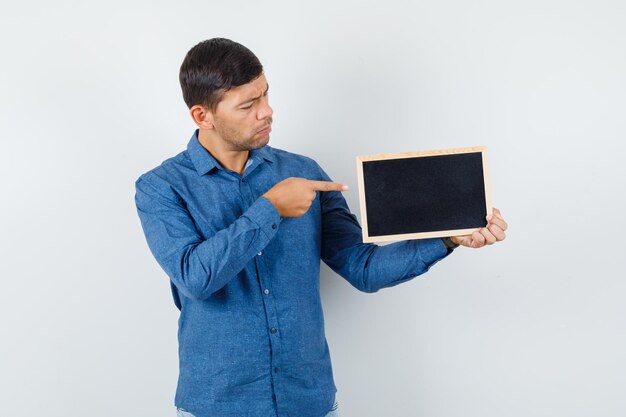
[243, 117]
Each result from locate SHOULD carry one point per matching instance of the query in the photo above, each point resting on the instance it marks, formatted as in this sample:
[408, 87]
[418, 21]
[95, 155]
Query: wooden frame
[422, 235]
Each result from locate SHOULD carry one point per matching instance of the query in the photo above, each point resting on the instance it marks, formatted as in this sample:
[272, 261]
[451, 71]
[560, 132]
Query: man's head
[226, 91]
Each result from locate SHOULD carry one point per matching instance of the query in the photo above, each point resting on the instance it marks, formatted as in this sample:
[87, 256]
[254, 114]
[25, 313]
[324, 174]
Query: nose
[265, 110]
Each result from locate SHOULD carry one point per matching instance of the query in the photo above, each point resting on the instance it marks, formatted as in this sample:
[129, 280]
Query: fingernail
[344, 187]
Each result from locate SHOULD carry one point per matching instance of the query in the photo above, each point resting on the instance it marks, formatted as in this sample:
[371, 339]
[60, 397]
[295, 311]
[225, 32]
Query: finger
[478, 240]
[498, 222]
[327, 185]
[464, 240]
[490, 239]
[497, 232]
[497, 213]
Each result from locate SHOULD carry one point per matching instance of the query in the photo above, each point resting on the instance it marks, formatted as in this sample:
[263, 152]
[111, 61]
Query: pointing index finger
[327, 186]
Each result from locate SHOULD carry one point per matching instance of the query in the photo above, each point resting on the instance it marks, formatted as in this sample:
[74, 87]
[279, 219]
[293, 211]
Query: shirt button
[274, 226]
[273, 330]
[275, 370]
[243, 180]
[260, 253]
[266, 291]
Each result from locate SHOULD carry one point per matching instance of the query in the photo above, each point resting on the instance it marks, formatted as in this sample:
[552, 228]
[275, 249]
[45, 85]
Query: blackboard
[424, 194]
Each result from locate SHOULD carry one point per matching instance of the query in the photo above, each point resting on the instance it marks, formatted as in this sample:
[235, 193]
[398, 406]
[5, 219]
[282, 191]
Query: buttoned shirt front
[246, 281]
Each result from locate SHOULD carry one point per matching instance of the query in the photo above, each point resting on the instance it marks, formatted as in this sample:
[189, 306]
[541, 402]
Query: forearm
[370, 267]
[197, 266]
[205, 268]
[399, 262]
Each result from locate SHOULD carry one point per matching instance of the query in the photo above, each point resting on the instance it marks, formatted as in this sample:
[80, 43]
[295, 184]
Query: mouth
[265, 131]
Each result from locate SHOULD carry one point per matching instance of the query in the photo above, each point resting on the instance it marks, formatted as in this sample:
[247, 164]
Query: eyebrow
[254, 98]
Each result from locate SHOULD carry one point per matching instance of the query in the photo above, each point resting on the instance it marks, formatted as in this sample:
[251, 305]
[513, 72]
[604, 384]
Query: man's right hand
[293, 196]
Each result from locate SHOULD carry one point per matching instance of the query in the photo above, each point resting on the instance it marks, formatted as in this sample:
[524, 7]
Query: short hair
[213, 67]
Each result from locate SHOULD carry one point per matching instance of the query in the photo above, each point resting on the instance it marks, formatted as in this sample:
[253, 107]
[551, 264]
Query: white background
[89, 100]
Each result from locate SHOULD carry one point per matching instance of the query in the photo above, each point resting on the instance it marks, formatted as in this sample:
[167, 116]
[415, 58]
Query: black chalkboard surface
[417, 195]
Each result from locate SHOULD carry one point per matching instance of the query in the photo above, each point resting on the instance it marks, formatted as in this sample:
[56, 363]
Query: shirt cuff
[432, 250]
[450, 245]
[265, 215]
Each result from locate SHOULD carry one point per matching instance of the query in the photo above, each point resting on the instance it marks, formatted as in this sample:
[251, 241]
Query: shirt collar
[204, 162]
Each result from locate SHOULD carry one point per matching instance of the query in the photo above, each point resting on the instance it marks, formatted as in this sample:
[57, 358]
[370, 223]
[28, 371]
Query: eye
[246, 108]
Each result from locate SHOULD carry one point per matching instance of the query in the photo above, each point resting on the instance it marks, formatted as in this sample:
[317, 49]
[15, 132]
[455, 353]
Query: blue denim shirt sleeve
[367, 266]
[199, 267]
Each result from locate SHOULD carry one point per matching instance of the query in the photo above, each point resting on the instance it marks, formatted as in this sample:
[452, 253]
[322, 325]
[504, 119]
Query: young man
[240, 228]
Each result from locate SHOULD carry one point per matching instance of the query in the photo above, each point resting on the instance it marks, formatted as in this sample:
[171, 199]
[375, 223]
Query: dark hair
[213, 67]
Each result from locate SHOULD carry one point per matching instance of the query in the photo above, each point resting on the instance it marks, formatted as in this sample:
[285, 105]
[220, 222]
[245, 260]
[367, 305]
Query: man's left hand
[488, 235]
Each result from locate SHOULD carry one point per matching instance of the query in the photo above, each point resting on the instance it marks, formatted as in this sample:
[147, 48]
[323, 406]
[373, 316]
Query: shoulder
[164, 177]
[294, 160]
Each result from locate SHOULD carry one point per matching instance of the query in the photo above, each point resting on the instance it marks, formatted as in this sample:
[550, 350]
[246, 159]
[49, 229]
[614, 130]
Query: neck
[233, 160]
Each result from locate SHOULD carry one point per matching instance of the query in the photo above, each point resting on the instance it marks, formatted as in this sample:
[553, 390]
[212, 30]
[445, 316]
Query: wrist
[450, 244]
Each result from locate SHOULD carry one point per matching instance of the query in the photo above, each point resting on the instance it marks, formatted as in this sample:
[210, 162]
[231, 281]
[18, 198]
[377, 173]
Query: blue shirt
[246, 281]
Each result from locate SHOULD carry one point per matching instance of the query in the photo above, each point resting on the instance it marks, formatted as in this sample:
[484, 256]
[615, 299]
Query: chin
[262, 143]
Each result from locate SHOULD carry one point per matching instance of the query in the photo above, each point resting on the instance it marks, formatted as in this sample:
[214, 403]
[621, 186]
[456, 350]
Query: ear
[201, 116]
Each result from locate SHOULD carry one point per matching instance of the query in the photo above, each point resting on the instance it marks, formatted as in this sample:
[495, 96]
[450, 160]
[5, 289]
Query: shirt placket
[269, 300]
